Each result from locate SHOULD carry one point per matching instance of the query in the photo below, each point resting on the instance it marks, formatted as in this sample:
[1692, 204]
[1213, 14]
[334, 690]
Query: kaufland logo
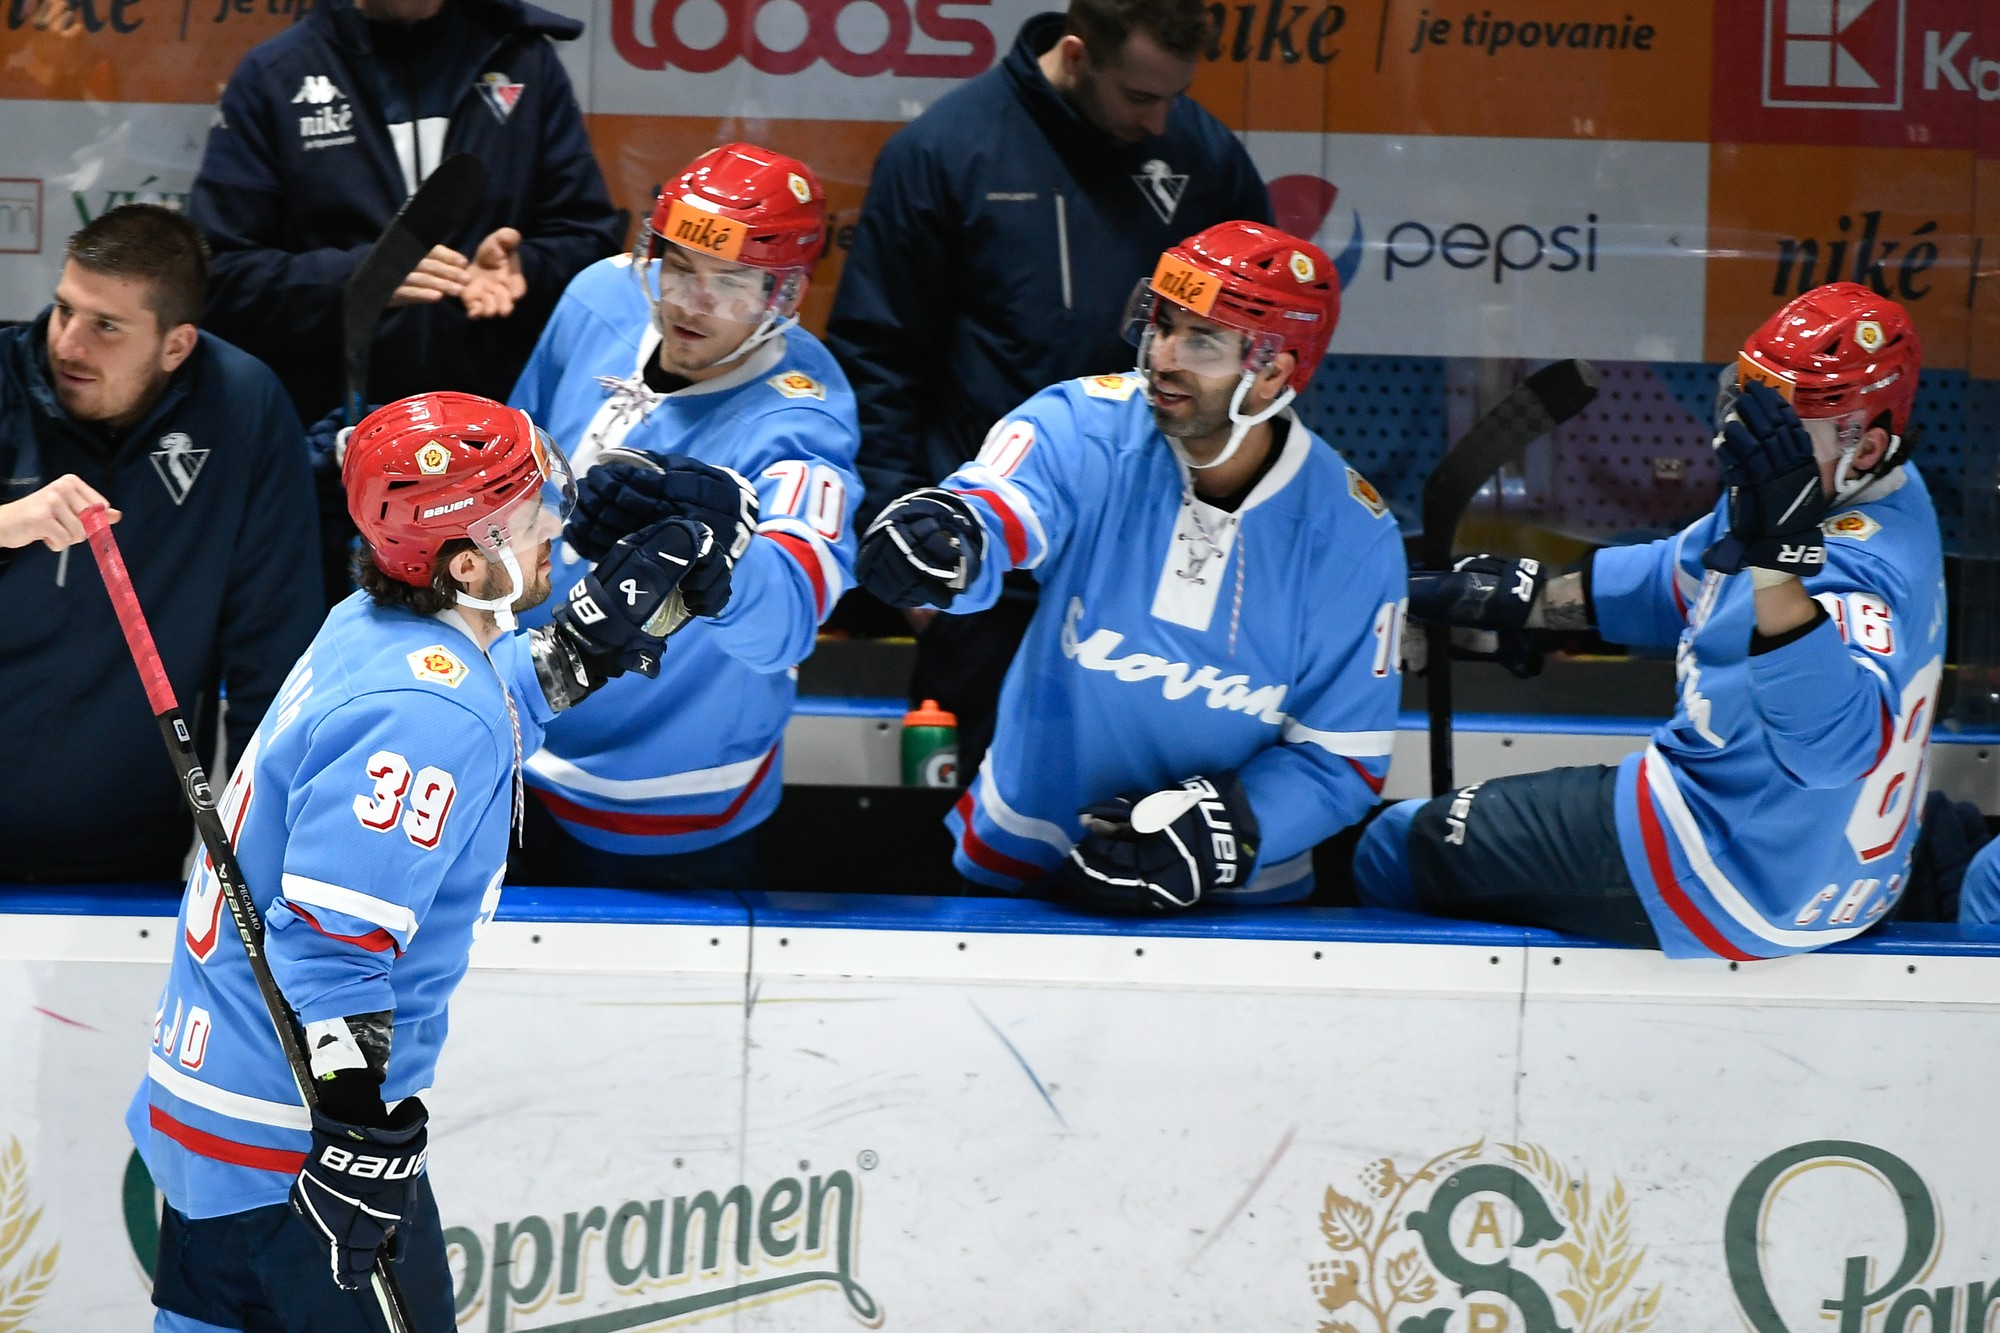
[1832, 55]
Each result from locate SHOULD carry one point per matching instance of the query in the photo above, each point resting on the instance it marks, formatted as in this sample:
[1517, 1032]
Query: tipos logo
[25, 1273]
[1527, 1245]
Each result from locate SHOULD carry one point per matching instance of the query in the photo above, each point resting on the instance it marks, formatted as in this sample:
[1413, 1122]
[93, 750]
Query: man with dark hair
[1003, 231]
[112, 393]
[372, 815]
[328, 127]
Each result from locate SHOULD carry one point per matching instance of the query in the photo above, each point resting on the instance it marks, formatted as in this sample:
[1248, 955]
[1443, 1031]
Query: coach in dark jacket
[1003, 232]
[327, 128]
[112, 394]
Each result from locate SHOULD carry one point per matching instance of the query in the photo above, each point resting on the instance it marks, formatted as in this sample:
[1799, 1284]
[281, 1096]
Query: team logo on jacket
[1363, 490]
[331, 123]
[1162, 186]
[433, 459]
[797, 384]
[501, 96]
[317, 90]
[178, 462]
[437, 663]
[1853, 524]
[1118, 388]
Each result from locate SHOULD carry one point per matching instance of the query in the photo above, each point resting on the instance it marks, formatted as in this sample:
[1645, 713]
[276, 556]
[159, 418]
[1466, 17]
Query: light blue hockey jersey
[1173, 638]
[653, 768]
[370, 813]
[1777, 810]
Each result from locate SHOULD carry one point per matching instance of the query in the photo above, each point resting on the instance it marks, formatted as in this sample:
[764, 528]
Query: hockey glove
[359, 1183]
[621, 613]
[1775, 498]
[626, 490]
[1515, 650]
[923, 550]
[1481, 592]
[1162, 852]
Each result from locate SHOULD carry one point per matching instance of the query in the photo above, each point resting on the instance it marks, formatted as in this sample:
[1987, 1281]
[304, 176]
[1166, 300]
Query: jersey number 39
[428, 792]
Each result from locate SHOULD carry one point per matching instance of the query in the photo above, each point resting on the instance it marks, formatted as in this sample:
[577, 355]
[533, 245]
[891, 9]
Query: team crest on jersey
[501, 96]
[797, 384]
[1364, 490]
[437, 663]
[1853, 523]
[178, 462]
[433, 459]
[1118, 388]
[1868, 335]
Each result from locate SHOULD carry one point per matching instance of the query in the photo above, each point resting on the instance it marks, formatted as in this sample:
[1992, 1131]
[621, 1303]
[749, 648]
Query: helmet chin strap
[771, 327]
[1847, 483]
[1239, 424]
[501, 607]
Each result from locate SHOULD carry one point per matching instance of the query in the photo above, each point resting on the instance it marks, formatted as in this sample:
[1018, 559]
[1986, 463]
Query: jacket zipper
[1062, 247]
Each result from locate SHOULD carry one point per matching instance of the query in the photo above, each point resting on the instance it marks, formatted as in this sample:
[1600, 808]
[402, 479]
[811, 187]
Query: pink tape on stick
[125, 601]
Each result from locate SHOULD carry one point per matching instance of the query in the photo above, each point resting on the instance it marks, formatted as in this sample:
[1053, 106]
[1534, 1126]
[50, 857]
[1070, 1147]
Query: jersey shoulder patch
[1364, 490]
[797, 384]
[1852, 524]
[1118, 388]
[438, 663]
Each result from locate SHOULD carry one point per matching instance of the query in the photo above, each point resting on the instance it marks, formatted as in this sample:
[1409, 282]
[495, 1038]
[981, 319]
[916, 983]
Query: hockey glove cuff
[1162, 852]
[625, 608]
[1480, 592]
[923, 550]
[358, 1184]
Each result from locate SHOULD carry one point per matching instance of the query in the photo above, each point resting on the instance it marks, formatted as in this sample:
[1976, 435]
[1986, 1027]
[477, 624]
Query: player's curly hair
[1181, 27]
[441, 595]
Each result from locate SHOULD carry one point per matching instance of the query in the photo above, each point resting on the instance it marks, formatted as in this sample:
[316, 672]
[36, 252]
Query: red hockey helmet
[1839, 350]
[1278, 291]
[744, 204]
[437, 466]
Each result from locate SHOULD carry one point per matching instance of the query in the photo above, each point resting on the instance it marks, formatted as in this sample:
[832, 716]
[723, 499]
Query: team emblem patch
[1302, 266]
[439, 664]
[433, 459]
[1868, 334]
[801, 191]
[178, 462]
[1363, 490]
[797, 384]
[501, 96]
[1118, 388]
[1852, 524]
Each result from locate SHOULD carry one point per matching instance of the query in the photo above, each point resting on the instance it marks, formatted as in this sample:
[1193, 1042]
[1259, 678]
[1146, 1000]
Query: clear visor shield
[1172, 338]
[538, 515]
[695, 284]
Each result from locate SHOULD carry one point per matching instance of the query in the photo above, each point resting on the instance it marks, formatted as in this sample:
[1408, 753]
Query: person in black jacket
[112, 394]
[327, 128]
[1003, 233]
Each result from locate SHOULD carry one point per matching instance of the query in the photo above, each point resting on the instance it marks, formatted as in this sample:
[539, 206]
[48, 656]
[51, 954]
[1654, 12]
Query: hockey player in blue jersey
[1777, 810]
[687, 353]
[1209, 685]
[371, 814]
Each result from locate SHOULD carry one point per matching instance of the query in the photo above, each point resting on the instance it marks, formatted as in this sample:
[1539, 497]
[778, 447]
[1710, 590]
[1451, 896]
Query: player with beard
[371, 814]
[1209, 685]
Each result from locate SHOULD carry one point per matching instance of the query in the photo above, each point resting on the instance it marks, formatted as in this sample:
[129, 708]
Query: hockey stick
[222, 857]
[442, 204]
[1536, 406]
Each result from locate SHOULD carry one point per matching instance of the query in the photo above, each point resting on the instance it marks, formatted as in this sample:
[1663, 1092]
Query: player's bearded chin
[534, 580]
[1202, 414]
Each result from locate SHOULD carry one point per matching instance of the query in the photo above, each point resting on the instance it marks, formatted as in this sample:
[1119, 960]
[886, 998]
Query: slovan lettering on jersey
[800, 1232]
[1177, 680]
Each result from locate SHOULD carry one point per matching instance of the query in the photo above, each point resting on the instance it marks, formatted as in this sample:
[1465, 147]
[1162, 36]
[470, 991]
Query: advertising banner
[1418, 1143]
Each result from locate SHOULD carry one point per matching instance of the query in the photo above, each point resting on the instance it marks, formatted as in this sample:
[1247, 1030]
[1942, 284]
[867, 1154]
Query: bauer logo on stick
[705, 232]
[1184, 284]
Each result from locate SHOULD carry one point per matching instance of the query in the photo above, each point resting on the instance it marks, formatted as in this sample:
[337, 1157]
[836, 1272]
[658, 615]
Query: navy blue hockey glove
[359, 1183]
[622, 612]
[1162, 852]
[1775, 499]
[625, 491]
[1481, 592]
[923, 550]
